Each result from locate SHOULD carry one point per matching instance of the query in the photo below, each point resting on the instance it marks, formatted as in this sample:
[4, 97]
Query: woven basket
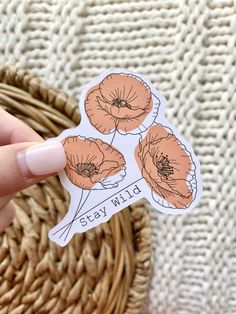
[105, 270]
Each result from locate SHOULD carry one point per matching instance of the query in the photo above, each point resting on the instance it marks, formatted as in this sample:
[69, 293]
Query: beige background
[187, 49]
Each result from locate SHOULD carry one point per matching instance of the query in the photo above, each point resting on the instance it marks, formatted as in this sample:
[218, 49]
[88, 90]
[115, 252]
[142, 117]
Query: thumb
[24, 164]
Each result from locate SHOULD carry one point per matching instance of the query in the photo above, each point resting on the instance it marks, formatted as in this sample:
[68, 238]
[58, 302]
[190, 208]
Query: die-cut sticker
[122, 151]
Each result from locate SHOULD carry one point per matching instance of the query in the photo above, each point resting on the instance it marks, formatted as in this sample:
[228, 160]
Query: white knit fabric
[188, 50]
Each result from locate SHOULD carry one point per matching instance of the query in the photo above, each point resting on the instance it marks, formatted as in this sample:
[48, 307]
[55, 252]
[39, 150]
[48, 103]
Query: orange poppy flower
[121, 102]
[92, 163]
[167, 167]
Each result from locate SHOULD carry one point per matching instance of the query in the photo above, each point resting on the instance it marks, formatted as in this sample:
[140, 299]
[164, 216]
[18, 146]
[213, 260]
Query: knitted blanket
[187, 49]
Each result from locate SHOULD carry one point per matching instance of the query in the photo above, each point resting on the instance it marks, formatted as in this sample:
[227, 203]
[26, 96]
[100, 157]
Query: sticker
[122, 151]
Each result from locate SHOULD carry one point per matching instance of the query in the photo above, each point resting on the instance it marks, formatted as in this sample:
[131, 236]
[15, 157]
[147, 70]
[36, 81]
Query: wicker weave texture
[105, 270]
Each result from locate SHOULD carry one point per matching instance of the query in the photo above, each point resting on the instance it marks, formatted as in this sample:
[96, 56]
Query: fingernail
[42, 159]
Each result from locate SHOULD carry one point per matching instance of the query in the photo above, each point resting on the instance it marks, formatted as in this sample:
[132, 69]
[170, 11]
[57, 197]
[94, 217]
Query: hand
[24, 160]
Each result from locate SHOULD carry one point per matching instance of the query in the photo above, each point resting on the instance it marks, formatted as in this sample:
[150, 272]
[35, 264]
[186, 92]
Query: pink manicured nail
[42, 159]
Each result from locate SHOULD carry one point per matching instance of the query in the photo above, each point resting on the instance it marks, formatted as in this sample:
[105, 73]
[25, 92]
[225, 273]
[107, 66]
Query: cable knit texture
[187, 49]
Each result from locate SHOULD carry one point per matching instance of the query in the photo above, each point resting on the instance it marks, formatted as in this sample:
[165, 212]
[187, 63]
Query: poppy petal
[126, 87]
[123, 102]
[167, 167]
[125, 119]
[175, 199]
[126, 113]
[90, 161]
[147, 119]
[101, 119]
[81, 150]
[108, 168]
[130, 125]
[150, 168]
[110, 152]
[156, 133]
[178, 157]
[79, 180]
[112, 181]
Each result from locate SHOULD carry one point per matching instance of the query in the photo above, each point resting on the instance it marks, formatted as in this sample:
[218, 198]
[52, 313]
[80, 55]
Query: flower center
[87, 170]
[120, 103]
[163, 165]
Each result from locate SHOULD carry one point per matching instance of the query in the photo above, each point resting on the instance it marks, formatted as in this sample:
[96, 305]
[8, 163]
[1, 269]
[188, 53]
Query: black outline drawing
[124, 101]
[150, 119]
[73, 166]
[76, 217]
[193, 185]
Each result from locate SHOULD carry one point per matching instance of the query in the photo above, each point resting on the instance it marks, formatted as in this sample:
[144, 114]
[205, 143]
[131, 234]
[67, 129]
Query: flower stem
[76, 214]
[113, 137]
[69, 225]
[77, 217]
[77, 210]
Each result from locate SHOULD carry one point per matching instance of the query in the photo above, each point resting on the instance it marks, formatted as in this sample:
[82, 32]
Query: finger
[7, 214]
[24, 164]
[4, 200]
[12, 130]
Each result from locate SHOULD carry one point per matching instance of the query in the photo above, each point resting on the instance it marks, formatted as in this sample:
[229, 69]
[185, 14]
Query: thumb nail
[42, 159]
